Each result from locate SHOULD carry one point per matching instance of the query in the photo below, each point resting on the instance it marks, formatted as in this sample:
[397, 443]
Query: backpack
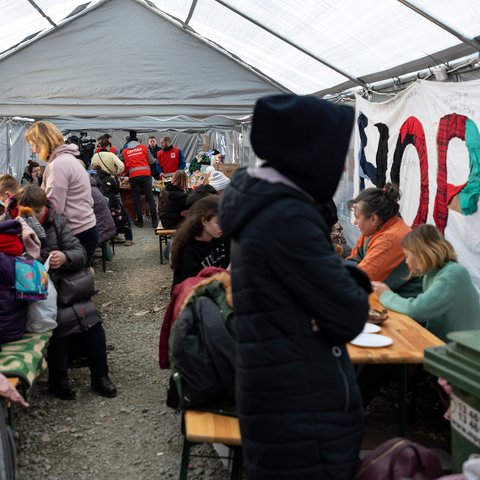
[119, 215]
[399, 459]
[110, 189]
[31, 280]
[202, 357]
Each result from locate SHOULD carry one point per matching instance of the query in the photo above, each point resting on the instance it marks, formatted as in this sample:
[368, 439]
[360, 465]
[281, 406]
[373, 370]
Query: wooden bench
[163, 235]
[205, 427]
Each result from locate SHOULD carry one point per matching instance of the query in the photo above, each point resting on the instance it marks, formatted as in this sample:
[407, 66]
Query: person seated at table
[378, 250]
[449, 301]
[32, 174]
[78, 322]
[219, 181]
[13, 312]
[9, 186]
[200, 192]
[198, 242]
[174, 207]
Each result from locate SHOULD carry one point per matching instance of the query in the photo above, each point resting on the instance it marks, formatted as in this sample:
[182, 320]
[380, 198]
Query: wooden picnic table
[410, 340]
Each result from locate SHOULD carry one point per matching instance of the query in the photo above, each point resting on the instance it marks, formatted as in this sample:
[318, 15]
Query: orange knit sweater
[379, 254]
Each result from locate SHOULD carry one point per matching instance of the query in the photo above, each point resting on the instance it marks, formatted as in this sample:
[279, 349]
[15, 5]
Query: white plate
[371, 328]
[371, 340]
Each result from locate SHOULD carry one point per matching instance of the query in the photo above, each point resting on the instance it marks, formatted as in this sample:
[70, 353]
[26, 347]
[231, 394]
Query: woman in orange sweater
[378, 251]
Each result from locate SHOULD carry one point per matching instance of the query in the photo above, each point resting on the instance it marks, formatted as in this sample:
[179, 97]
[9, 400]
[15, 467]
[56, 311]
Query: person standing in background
[170, 158]
[137, 168]
[32, 174]
[153, 148]
[66, 182]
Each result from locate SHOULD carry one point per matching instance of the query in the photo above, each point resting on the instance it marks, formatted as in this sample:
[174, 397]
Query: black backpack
[110, 189]
[202, 358]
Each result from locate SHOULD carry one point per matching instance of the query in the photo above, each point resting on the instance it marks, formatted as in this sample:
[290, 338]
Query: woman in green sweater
[449, 301]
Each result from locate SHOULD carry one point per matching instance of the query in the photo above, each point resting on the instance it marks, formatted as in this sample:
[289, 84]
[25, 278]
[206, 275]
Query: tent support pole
[190, 13]
[469, 41]
[9, 147]
[42, 13]
[358, 81]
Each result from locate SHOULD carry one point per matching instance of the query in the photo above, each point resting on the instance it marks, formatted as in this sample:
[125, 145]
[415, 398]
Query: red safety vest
[136, 161]
[169, 160]
[112, 149]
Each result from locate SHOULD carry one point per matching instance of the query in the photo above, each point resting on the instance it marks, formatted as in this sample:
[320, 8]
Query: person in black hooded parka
[296, 303]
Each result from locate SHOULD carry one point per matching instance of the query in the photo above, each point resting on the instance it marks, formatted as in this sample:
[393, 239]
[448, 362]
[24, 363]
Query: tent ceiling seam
[469, 41]
[354, 79]
[42, 13]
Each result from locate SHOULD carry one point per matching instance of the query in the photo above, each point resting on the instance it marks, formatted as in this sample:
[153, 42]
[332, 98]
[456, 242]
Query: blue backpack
[31, 280]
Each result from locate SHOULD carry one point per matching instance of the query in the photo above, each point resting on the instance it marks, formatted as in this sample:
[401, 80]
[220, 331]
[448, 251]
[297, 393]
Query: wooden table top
[410, 340]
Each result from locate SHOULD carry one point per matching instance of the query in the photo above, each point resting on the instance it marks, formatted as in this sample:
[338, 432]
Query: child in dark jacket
[198, 242]
[13, 312]
[68, 255]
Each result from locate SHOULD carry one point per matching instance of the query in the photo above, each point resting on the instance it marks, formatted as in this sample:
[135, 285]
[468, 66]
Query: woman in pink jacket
[66, 182]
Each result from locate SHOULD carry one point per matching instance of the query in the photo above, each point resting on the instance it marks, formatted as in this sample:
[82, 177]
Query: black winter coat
[82, 315]
[105, 224]
[174, 202]
[299, 404]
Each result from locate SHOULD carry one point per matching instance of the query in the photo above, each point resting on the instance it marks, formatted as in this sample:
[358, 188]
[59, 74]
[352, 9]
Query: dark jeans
[129, 233]
[89, 239]
[95, 345]
[140, 185]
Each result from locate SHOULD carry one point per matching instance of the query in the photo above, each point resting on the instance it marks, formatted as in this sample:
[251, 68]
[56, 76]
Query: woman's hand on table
[379, 288]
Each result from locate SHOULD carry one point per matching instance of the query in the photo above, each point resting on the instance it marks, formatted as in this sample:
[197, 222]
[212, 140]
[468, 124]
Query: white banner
[426, 139]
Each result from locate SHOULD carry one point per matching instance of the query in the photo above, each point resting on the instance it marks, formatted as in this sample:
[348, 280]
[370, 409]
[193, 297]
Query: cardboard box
[227, 168]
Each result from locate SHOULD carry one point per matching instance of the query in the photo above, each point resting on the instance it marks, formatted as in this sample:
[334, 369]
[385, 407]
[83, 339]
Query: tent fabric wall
[120, 61]
[228, 142]
[14, 150]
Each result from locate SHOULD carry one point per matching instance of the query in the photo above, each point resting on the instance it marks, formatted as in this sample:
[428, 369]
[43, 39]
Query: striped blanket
[25, 358]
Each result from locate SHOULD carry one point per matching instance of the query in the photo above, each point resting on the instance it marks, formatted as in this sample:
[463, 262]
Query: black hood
[247, 196]
[304, 138]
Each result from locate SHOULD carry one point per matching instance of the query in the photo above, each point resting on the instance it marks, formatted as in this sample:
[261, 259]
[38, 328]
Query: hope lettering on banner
[412, 133]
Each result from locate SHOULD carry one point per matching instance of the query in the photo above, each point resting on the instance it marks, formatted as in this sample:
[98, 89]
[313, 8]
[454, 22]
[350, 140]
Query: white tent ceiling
[164, 59]
[293, 41]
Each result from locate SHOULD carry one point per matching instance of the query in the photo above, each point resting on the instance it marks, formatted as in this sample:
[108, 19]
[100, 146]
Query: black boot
[104, 387]
[154, 221]
[61, 389]
[139, 223]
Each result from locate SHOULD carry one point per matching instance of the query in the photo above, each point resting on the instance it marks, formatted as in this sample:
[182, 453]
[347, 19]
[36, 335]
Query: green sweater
[449, 301]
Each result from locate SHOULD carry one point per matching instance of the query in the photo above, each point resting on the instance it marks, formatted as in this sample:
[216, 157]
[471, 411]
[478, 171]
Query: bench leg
[185, 459]
[161, 248]
[237, 463]
[104, 265]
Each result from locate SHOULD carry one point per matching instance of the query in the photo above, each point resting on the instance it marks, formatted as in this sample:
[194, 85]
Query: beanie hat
[320, 135]
[210, 169]
[218, 180]
[132, 134]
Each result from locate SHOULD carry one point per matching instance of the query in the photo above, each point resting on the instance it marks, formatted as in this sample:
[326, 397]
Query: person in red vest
[170, 158]
[107, 137]
[135, 158]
